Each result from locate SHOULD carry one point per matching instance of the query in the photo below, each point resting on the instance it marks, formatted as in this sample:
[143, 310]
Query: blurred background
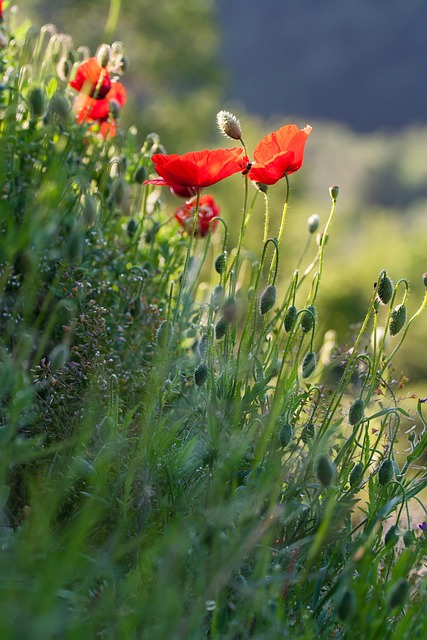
[353, 70]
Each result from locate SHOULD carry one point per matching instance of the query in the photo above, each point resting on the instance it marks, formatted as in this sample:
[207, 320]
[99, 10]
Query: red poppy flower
[197, 169]
[1, 10]
[88, 76]
[279, 153]
[183, 192]
[208, 211]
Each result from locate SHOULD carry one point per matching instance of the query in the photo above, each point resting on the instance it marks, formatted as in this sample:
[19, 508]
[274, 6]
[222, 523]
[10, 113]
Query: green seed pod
[385, 289]
[356, 474]
[313, 223]
[356, 412]
[164, 333]
[59, 356]
[308, 319]
[385, 472]
[220, 328]
[309, 364]
[290, 317]
[334, 191]
[391, 538]
[89, 210]
[268, 299]
[307, 432]
[346, 605]
[203, 345]
[325, 470]
[131, 228]
[398, 319]
[286, 434]
[398, 594]
[200, 374]
[408, 538]
[140, 174]
[36, 102]
[220, 263]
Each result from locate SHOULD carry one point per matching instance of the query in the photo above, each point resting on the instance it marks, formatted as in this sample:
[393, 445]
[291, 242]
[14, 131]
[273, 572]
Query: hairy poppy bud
[398, 593]
[408, 538]
[59, 106]
[229, 309]
[203, 345]
[89, 209]
[424, 279]
[268, 299]
[391, 538]
[308, 318]
[131, 228]
[36, 102]
[385, 472]
[220, 263]
[307, 432]
[346, 605]
[200, 374]
[229, 125]
[261, 186]
[356, 474]
[74, 247]
[115, 108]
[313, 223]
[357, 411]
[63, 69]
[140, 174]
[136, 307]
[286, 433]
[164, 333]
[398, 319]
[385, 289]
[220, 328]
[325, 470]
[58, 357]
[334, 191]
[218, 295]
[118, 192]
[103, 55]
[309, 364]
[290, 317]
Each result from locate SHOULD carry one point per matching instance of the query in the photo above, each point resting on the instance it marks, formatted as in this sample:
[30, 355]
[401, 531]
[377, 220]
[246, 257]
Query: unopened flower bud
[408, 538]
[356, 474]
[385, 472]
[346, 605]
[334, 191]
[313, 223]
[164, 333]
[229, 125]
[140, 174]
[58, 357]
[309, 364]
[115, 108]
[59, 106]
[89, 209]
[103, 55]
[398, 319]
[398, 593]
[322, 239]
[391, 538]
[424, 278]
[218, 295]
[63, 69]
[118, 192]
[36, 102]
[229, 309]
[325, 470]
[200, 374]
[290, 317]
[131, 228]
[220, 328]
[356, 412]
[268, 299]
[203, 345]
[308, 318]
[307, 432]
[286, 433]
[261, 186]
[220, 263]
[135, 307]
[385, 289]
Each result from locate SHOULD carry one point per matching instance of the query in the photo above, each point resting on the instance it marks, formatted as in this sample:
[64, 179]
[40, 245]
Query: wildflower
[197, 169]
[423, 527]
[1, 10]
[206, 215]
[99, 100]
[279, 153]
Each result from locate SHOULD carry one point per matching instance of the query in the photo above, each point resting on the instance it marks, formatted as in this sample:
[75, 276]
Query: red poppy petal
[274, 170]
[117, 92]
[87, 78]
[274, 143]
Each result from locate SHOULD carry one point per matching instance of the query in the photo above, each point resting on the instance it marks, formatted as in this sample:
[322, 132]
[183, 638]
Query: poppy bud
[74, 247]
[164, 333]
[322, 238]
[286, 433]
[408, 538]
[131, 228]
[136, 307]
[229, 125]
[261, 186]
[103, 55]
[424, 279]
[391, 538]
[334, 191]
[218, 295]
[63, 69]
[313, 223]
[290, 317]
[220, 328]
[200, 374]
[356, 474]
[398, 319]
[398, 593]
[58, 357]
[268, 299]
[357, 411]
[346, 605]
[308, 319]
[36, 102]
[89, 210]
[385, 472]
[307, 432]
[220, 263]
[118, 192]
[140, 174]
[309, 364]
[115, 108]
[229, 309]
[325, 470]
[203, 345]
[59, 106]
[385, 289]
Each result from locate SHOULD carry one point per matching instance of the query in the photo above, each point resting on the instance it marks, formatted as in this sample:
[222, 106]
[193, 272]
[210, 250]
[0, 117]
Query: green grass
[141, 499]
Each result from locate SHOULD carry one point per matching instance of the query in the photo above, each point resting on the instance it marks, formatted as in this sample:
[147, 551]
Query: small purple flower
[423, 526]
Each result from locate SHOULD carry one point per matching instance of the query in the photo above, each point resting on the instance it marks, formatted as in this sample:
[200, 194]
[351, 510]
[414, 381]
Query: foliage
[177, 460]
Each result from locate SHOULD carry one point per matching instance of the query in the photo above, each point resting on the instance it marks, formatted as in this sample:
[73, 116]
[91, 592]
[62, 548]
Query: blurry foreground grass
[182, 455]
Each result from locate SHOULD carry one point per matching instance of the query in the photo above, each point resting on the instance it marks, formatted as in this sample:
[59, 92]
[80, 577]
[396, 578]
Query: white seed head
[229, 125]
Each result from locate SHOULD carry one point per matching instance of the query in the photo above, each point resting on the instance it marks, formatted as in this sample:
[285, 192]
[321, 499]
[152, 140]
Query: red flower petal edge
[208, 211]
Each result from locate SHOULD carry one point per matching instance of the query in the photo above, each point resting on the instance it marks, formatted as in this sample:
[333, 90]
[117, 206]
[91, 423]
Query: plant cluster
[182, 454]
